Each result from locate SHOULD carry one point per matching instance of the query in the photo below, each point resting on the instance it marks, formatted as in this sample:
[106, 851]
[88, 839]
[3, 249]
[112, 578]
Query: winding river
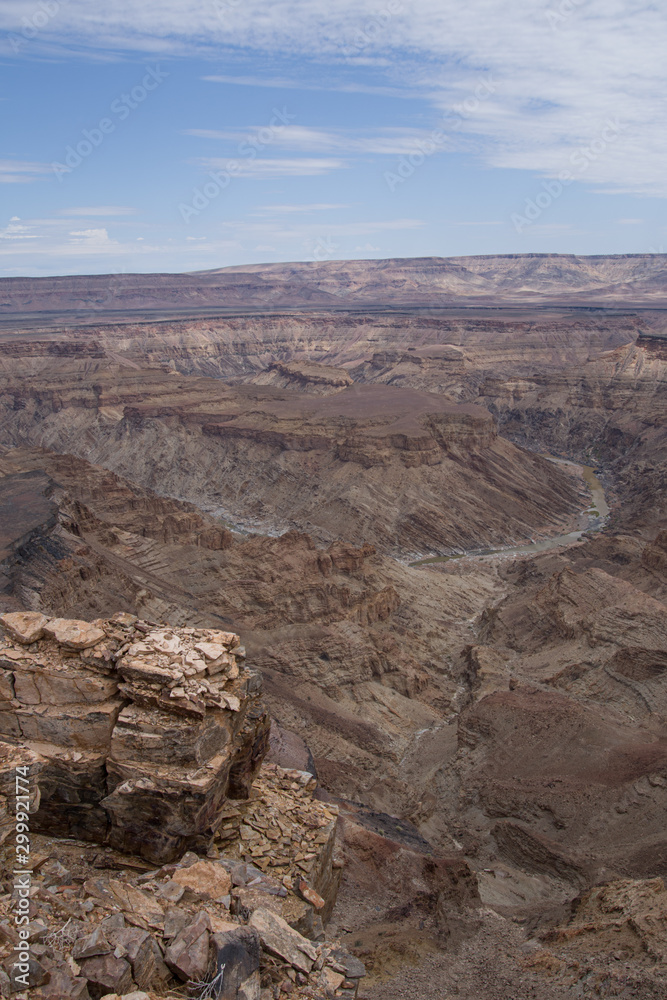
[595, 516]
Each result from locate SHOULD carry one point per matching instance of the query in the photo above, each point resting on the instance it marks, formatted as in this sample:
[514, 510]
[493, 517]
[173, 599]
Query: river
[594, 517]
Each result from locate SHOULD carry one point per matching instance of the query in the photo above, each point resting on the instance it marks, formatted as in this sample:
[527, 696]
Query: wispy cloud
[559, 79]
[294, 209]
[307, 139]
[335, 86]
[272, 83]
[53, 245]
[99, 210]
[16, 230]
[268, 169]
[21, 171]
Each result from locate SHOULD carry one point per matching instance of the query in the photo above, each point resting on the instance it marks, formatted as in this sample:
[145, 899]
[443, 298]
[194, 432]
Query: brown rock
[73, 634]
[64, 986]
[139, 907]
[187, 955]
[91, 945]
[175, 921]
[309, 894]
[353, 967]
[107, 974]
[278, 937]
[205, 879]
[171, 892]
[80, 726]
[25, 626]
[142, 952]
[37, 975]
[39, 685]
[331, 980]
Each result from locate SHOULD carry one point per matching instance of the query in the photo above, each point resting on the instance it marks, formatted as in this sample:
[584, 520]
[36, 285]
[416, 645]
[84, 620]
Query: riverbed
[593, 518]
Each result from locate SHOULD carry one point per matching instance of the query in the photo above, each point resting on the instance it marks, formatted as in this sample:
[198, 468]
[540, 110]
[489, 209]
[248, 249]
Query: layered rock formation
[422, 281]
[274, 459]
[143, 732]
[307, 376]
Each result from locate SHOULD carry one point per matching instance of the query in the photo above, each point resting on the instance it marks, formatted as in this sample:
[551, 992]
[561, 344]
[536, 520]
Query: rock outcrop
[306, 376]
[233, 924]
[143, 732]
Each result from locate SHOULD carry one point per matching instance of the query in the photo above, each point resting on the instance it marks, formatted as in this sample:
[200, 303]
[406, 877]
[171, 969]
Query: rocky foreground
[148, 740]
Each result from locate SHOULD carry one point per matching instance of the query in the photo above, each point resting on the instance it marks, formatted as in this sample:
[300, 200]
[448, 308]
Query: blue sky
[180, 136]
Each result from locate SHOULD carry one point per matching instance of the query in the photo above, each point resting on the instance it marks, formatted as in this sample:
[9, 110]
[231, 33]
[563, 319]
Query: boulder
[24, 626]
[205, 879]
[91, 945]
[279, 938]
[142, 952]
[73, 634]
[237, 956]
[107, 974]
[187, 955]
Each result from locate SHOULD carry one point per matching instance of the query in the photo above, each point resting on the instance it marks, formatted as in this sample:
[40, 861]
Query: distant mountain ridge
[624, 280]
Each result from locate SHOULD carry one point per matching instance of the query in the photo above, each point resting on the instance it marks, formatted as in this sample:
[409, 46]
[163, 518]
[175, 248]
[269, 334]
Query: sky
[165, 135]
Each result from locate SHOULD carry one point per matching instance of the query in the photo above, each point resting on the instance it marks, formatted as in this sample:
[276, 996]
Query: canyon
[266, 451]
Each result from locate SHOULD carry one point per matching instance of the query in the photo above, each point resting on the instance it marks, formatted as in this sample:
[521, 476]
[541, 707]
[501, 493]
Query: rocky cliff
[144, 733]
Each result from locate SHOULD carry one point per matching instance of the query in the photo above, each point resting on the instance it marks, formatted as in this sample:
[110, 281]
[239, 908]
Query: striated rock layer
[401, 468]
[414, 282]
[143, 732]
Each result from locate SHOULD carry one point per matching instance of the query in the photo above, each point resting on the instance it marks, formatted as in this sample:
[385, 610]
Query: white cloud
[16, 230]
[21, 171]
[306, 139]
[300, 231]
[337, 87]
[45, 243]
[53, 245]
[556, 81]
[268, 169]
[98, 211]
[293, 209]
